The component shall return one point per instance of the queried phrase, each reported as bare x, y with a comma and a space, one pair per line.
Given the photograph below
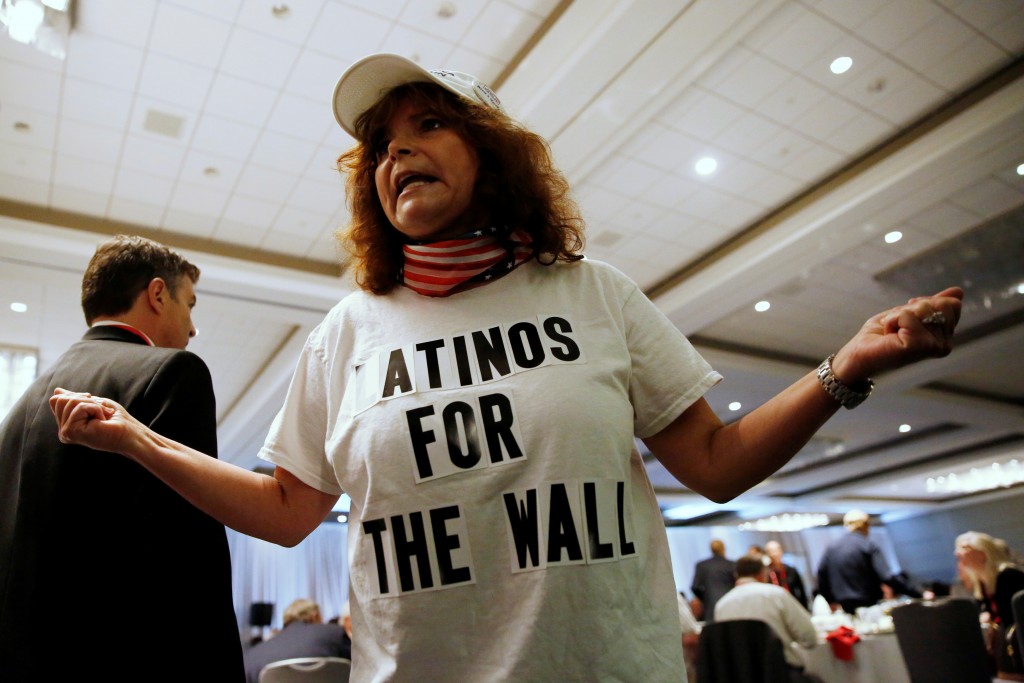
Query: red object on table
842, 640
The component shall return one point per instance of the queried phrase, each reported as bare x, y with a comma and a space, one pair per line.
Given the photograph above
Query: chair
941, 641
740, 651
1017, 606
307, 670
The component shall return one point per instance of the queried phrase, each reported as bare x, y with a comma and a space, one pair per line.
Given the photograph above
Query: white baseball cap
370, 78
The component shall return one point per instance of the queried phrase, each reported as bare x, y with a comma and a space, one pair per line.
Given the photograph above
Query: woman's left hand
921, 328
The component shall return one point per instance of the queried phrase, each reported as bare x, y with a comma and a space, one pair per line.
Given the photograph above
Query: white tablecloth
876, 659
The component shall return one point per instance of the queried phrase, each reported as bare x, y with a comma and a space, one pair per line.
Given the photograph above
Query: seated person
304, 635
754, 598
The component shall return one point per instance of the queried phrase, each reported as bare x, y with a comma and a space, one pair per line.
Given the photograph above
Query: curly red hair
517, 182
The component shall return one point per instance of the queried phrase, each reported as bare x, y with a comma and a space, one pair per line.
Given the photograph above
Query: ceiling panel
208, 126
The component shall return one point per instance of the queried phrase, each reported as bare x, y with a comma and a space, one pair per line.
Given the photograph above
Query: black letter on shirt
406, 548
519, 334
561, 527
553, 326
429, 349
444, 543
376, 527
497, 418
625, 546
491, 354
420, 439
451, 414
398, 375
597, 550
522, 518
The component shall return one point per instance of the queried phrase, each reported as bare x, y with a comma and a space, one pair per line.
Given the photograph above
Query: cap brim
369, 79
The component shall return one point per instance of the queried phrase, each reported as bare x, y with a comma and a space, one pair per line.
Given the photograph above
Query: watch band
847, 397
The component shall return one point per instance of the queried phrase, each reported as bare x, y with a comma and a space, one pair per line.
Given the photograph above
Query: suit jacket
101, 564
790, 579
712, 578
852, 571
297, 639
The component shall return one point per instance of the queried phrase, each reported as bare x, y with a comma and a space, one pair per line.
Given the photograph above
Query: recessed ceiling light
19, 307
893, 237
1020, 288
211, 172
705, 166
1020, 170
841, 65
904, 428
735, 405
342, 518
762, 306
280, 11
446, 10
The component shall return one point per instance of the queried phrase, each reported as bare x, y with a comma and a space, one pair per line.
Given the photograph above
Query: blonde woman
996, 575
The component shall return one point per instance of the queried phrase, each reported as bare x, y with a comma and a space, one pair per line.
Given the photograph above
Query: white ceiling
208, 126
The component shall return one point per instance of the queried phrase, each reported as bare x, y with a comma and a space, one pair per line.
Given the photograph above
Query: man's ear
156, 294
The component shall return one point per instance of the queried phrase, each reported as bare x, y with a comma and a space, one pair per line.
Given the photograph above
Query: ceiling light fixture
893, 237
997, 475
762, 306
904, 428
786, 522
841, 65
705, 166
44, 24
1020, 170
19, 307
735, 405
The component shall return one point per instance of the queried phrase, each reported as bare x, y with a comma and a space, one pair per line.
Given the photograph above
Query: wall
925, 542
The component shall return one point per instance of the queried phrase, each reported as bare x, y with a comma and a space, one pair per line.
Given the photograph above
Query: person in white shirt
479, 398
754, 598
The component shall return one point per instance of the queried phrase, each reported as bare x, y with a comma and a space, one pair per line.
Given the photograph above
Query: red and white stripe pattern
450, 266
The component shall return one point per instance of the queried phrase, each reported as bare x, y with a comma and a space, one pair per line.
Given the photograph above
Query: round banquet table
876, 659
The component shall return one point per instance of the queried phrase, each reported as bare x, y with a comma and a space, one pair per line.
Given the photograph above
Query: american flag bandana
450, 266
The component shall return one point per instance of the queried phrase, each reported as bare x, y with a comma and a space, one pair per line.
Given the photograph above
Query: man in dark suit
853, 568
144, 576
304, 635
712, 578
785, 575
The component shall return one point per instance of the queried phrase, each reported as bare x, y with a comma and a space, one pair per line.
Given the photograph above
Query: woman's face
969, 557
425, 175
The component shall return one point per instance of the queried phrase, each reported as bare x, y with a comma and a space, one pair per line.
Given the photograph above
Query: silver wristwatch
847, 397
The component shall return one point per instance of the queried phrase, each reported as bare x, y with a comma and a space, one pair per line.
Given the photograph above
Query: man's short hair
749, 566
122, 268
854, 519
302, 610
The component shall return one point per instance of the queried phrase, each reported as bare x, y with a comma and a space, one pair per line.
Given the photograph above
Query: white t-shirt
502, 527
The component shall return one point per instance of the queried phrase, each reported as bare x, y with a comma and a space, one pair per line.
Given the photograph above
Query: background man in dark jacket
304, 635
853, 568
712, 578
785, 575
146, 574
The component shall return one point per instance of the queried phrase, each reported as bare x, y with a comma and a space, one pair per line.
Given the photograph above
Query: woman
478, 399
996, 575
